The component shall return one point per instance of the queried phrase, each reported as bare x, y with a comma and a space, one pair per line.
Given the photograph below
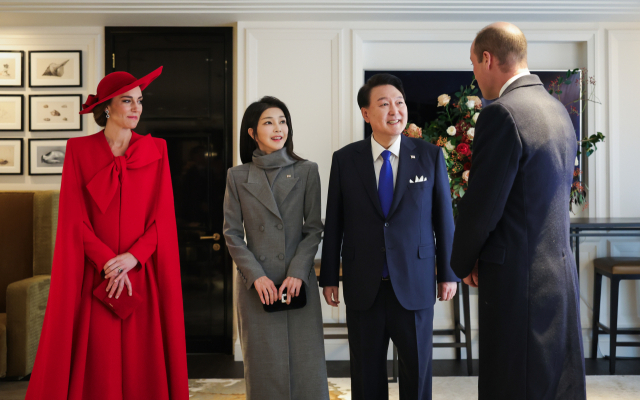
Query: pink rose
414, 131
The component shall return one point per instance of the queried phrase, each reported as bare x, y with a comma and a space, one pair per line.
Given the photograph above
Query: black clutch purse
281, 304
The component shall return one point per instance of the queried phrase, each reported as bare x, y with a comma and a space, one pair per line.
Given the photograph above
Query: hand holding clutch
122, 306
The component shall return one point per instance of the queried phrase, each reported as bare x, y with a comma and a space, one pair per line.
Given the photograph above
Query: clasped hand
268, 292
472, 278
116, 271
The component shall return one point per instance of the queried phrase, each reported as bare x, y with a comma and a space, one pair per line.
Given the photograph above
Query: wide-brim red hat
117, 83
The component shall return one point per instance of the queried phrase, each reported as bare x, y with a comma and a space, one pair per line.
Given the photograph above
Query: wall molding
598, 8
339, 129
615, 38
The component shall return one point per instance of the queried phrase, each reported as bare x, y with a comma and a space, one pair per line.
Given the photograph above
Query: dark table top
609, 223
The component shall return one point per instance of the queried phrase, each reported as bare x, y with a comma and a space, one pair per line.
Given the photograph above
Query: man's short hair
510, 48
364, 94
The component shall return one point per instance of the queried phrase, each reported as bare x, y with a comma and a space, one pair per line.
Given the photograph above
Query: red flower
465, 139
467, 166
462, 127
463, 149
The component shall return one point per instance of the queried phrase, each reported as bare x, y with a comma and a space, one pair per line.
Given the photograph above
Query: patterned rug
234, 389
447, 388
450, 388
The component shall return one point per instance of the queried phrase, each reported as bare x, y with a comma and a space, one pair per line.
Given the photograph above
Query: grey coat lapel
284, 183
258, 185
405, 172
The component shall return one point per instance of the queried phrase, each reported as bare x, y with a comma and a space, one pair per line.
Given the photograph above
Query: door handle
215, 236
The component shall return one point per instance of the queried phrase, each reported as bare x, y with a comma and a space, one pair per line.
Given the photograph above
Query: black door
189, 105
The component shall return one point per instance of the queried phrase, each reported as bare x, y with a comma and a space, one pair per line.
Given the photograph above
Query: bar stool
458, 328
616, 269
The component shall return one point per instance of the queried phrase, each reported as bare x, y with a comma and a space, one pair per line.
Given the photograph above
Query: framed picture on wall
46, 156
11, 68
11, 151
11, 112
55, 112
55, 68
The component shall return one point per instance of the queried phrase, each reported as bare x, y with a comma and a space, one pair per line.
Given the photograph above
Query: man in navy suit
389, 215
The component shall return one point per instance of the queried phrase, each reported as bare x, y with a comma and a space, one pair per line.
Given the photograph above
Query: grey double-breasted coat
283, 351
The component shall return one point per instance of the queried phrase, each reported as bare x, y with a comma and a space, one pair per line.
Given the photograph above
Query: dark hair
251, 118
509, 46
99, 114
364, 94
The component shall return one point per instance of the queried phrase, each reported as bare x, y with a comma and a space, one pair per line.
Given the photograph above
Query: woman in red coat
116, 223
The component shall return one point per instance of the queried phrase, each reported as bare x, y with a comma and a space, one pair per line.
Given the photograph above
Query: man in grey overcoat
512, 232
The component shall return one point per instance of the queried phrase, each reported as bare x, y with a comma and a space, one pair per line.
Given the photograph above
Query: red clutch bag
123, 306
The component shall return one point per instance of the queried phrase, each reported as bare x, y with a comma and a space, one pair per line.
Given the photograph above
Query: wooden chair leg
456, 321
613, 328
597, 292
467, 327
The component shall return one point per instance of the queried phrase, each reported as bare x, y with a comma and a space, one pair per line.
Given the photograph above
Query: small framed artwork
46, 156
55, 112
11, 68
11, 151
11, 108
55, 68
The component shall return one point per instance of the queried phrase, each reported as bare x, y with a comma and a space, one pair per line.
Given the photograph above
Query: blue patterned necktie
385, 193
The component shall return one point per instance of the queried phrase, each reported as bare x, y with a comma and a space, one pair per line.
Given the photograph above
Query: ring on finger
119, 270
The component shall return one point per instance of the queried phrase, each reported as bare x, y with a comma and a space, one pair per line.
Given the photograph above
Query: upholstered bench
27, 239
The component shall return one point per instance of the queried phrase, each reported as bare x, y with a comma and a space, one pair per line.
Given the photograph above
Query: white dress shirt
377, 149
513, 79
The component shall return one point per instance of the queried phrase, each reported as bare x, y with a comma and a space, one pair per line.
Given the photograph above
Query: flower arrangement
586, 86
453, 130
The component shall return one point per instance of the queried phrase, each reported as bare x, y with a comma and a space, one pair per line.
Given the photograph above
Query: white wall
91, 42
309, 64
317, 67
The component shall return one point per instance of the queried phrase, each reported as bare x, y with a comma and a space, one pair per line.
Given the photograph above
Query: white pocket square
420, 179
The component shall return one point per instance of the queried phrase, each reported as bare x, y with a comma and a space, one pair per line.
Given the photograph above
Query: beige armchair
28, 222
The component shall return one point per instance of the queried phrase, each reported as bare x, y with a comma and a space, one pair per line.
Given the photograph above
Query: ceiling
206, 12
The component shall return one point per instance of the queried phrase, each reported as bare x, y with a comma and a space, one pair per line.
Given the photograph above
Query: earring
106, 112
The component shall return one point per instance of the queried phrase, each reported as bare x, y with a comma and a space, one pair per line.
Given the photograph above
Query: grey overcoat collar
527, 80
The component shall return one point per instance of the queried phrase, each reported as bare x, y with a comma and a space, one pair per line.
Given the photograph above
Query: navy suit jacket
356, 226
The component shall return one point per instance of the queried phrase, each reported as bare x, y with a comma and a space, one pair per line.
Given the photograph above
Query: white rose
475, 117
451, 131
446, 155
449, 146
443, 100
471, 104
471, 132
465, 176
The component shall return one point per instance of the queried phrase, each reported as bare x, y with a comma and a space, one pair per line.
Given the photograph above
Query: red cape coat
108, 206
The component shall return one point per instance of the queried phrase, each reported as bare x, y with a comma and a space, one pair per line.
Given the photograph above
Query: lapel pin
412, 156
288, 176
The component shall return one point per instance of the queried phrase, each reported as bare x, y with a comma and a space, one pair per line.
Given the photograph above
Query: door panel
189, 106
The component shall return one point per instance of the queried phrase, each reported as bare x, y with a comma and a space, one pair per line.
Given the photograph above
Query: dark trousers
369, 334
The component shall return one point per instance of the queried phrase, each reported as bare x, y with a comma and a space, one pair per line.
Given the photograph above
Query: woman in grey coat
274, 197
